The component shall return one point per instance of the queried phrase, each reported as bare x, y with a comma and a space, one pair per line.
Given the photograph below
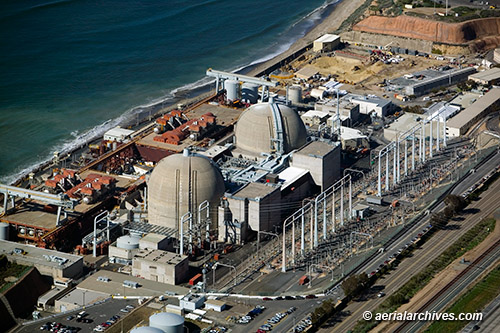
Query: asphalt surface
426, 253
99, 313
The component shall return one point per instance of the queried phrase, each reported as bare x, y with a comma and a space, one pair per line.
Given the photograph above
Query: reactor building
259, 175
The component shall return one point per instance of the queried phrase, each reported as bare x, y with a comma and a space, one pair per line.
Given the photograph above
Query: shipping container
195, 279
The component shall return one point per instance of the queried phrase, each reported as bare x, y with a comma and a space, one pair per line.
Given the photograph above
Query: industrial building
313, 118
487, 77
326, 43
352, 139
48, 262
78, 298
423, 82
462, 122
368, 104
320, 159
160, 266
123, 249
349, 112
192, 302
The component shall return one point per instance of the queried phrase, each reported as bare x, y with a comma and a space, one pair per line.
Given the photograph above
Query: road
441, 303
428, 251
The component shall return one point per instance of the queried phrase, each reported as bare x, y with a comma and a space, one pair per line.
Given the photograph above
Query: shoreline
339, 11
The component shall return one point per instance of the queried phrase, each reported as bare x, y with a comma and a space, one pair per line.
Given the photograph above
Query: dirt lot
363, 72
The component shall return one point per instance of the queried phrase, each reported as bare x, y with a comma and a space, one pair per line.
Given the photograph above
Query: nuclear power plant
268, 164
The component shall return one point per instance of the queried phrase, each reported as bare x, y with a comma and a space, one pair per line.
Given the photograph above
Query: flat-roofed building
326, 43
249, 206
48, 262
192, 302
314, 118
368, 104
321, 159
487, 77
154, 241
463, 121
160, 266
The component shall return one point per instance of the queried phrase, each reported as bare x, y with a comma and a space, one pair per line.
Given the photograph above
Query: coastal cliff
479, 34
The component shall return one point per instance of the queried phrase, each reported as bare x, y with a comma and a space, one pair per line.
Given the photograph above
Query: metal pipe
387, 171
342, 203
430, 139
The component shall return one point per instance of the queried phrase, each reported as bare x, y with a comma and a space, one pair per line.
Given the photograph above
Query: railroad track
450, 284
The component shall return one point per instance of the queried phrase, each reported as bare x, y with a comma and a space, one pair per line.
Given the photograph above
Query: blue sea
71, 69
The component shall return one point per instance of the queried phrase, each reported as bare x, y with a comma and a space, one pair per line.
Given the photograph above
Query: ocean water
71, 69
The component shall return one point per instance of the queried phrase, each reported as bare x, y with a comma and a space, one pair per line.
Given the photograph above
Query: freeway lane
440, 304
422, 256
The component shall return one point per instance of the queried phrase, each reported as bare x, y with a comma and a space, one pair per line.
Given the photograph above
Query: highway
428, 251
454, 289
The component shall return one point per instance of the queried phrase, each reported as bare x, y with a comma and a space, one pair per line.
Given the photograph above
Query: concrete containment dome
258, 126
180, 183
167, 322
146, 329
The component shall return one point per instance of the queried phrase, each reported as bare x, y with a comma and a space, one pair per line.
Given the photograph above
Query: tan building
321, 159
463, 121
160, 266
326, 43
249, 205
487, 77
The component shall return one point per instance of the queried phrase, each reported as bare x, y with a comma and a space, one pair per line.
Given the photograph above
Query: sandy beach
330, 24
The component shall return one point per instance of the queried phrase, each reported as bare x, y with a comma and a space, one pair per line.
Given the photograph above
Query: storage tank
232, 90
179, 184
250, 92
4, 231
146, 329
295, 94
167, 322
127, 242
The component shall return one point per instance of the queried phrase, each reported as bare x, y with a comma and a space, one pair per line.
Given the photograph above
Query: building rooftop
254, 191
475, 109
77, 297
316, 149
445, 111
160, 257
315, 113
153, 238
487, 75
290, 175
466, 99
306, 72
327, 38
115, 285
347, 133
38, 256
381, 102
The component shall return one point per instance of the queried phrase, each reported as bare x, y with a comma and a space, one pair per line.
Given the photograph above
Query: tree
355, 284
456, 202
439, 220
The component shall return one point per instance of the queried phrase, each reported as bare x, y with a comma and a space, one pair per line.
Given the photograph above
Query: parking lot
96, 315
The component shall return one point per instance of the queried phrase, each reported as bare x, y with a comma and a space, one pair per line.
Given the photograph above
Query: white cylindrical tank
295, 94
146, 329
232, 90
167, 322
4, 231
250, 92
318, 93
127, 242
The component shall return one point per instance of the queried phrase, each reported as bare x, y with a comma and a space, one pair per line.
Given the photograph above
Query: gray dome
146, 329
128, 242
180, 183
167, 322
256, 128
